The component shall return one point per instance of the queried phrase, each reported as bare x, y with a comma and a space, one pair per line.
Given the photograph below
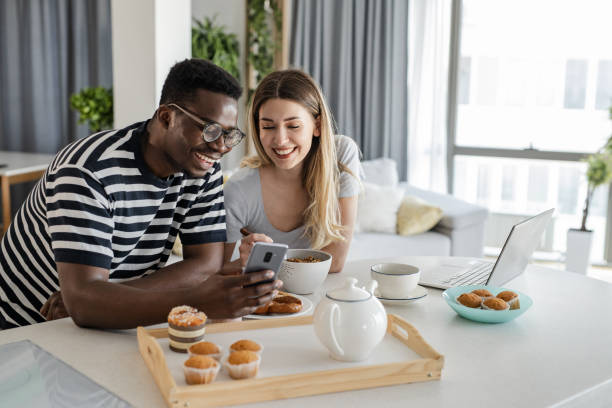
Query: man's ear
317, 129
164, 116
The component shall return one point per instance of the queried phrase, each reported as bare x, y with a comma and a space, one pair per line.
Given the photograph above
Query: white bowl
304, 278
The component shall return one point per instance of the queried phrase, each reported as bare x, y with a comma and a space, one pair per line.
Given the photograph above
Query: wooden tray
218, 393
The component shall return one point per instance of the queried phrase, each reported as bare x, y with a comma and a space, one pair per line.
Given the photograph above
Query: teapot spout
370, 287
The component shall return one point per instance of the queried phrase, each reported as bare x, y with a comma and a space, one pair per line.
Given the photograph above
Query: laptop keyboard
476, 275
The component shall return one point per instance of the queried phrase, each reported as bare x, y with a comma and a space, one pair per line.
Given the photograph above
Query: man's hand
231, 296
54, 307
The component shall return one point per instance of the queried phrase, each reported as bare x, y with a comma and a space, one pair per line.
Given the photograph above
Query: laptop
523, 239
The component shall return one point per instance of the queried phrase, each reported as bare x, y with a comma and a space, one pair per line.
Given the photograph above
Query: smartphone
266, 256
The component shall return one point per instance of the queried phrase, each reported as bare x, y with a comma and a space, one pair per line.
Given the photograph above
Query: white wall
231, 14
149, 36
172, 37
133, 58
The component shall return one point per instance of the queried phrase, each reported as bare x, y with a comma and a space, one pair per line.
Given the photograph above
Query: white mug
395, 281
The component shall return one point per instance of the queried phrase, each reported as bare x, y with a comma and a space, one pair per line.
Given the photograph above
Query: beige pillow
416, 216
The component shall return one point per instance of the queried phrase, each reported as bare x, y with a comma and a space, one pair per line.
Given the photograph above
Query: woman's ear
317, 129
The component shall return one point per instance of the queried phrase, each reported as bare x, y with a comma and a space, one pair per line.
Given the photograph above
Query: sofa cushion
382, 171
367, 245
377, 208
415, 216
457, 213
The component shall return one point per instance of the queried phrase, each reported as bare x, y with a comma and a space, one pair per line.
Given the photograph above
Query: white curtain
429, 37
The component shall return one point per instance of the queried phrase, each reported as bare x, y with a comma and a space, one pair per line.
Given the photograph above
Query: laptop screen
31, 377
520, 244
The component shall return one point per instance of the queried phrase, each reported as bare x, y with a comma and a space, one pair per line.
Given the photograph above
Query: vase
578, 252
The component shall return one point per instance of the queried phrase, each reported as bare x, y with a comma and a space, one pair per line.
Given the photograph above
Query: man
101, 223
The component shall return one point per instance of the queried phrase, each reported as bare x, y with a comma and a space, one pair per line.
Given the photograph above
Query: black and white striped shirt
99, 204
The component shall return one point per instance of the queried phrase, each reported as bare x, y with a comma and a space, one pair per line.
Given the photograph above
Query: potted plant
599, 172
209, 41
95, 106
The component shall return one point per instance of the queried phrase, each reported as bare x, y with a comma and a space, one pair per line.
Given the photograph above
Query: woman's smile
285, 152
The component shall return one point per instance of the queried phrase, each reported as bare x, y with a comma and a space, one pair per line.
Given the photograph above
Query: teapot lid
349, 292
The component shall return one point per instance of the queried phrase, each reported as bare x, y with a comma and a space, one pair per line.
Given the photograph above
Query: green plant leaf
95, 107
211, 42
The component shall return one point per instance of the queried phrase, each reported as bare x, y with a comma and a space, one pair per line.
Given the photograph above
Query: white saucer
417, 293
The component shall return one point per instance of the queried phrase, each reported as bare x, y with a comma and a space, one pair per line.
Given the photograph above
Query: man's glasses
211, 131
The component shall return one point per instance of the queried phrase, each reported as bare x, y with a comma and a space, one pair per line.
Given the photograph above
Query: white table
557, 353
18, 168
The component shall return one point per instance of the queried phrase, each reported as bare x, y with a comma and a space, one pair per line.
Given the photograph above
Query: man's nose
219, 145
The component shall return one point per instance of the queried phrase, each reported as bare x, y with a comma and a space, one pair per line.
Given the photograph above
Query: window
533, 84
547, 85
528, 187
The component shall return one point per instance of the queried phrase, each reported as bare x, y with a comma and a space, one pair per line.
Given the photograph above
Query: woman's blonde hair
321, 168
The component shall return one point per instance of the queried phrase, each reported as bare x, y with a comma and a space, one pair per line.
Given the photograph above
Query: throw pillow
377, 208
416, 216
382, 171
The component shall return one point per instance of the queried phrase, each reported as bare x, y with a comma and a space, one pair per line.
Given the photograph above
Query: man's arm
339, 250
92, 301
199, 262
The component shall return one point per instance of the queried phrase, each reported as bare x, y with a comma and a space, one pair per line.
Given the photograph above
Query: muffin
200, 370
242, 364
483, 293
185, 327
494, 303
470, 300
205, 348
510, 298
247, 345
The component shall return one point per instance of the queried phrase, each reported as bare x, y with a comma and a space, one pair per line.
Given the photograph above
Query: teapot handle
334, 314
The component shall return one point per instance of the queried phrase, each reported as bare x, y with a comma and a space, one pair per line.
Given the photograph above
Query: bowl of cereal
304, 270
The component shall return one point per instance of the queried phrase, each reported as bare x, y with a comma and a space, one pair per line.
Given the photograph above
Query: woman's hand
54, 307
247, 242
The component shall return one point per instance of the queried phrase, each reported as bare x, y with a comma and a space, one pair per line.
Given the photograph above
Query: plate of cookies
283, 305
487, 304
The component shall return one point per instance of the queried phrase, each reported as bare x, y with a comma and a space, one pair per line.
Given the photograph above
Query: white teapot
350, 321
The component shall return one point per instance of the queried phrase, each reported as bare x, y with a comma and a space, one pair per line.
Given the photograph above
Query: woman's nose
280, 136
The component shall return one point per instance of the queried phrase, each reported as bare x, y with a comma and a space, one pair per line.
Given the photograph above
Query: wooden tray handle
154, 359
408, 335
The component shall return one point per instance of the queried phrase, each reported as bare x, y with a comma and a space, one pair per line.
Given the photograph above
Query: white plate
417, 293
306, 308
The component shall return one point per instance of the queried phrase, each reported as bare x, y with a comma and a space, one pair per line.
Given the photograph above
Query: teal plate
481, 315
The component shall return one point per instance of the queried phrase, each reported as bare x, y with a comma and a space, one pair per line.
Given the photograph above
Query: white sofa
460, 232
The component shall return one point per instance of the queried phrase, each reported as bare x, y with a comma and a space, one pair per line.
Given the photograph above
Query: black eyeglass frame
211, 131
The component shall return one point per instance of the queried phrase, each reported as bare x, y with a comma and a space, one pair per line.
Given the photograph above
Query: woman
301, 188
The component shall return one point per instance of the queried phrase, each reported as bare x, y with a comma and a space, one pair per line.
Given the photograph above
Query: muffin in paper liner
193, 351
495, 304
195, 375
483, 293
243, 370
249, 345
471, 300
511, 298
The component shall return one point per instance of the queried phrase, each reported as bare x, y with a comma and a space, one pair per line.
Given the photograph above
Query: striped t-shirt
99, 204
